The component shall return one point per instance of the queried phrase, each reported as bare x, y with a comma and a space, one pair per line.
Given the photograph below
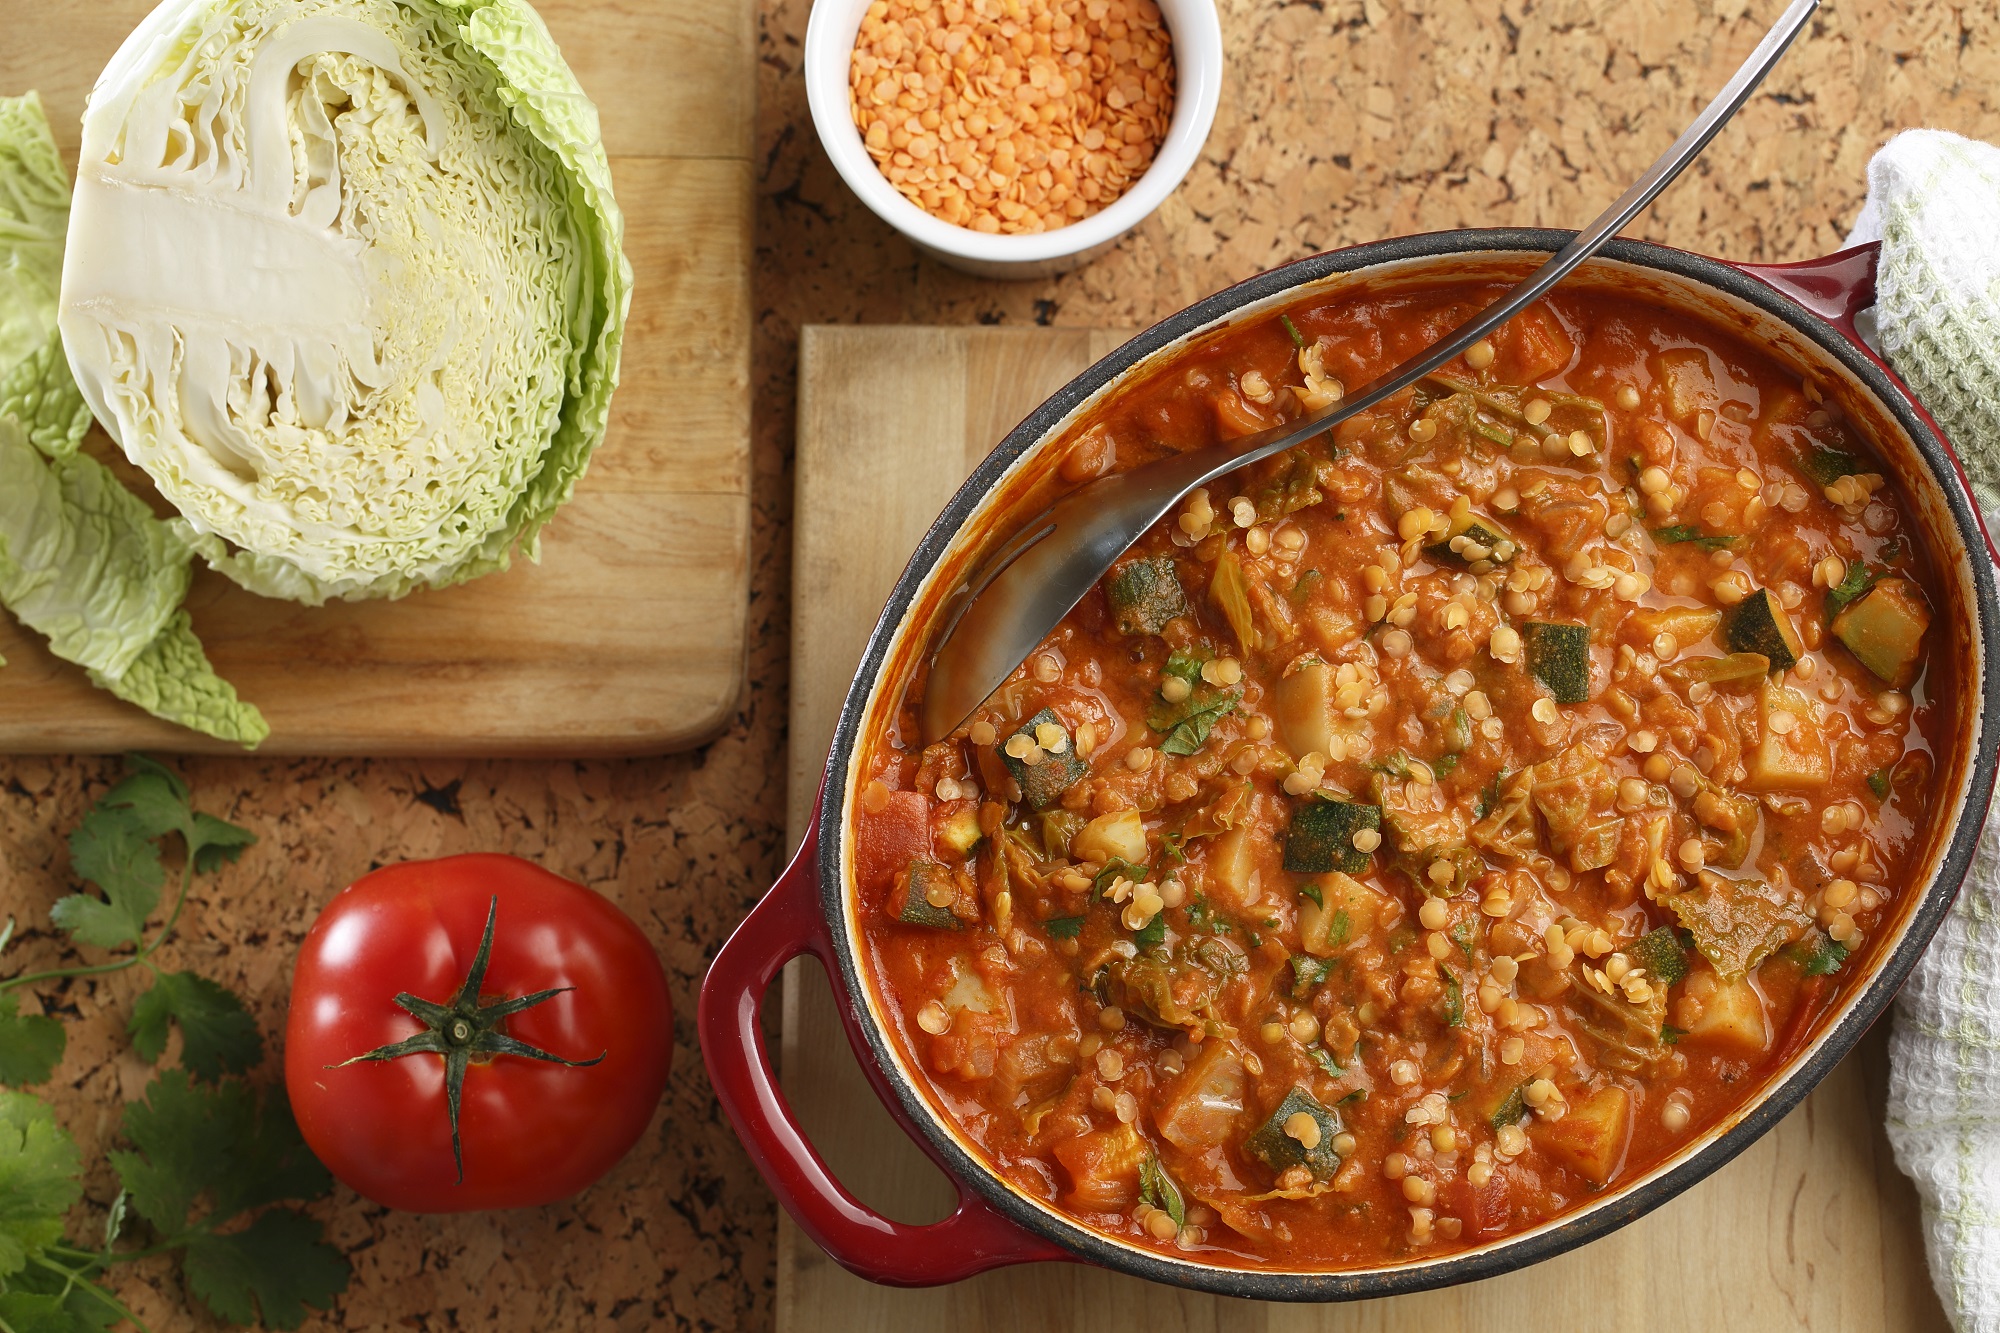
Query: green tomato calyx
465, 1031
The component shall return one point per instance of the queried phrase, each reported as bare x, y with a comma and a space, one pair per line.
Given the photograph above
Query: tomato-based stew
1426, 829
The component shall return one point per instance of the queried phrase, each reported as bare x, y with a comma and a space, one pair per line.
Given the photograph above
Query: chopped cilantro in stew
1426, 829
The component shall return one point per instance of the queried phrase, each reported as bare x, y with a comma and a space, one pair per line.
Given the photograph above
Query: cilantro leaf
1454, 997
30, 1044
244, 1152
114, 849
1063, 927
36, 1302
1826, 466
1669, 1034
1324, 1059
1158, 1189
40, 1178
216, 842
1184, 664
1186, 725
1689, 534
1858, 581
1878, 782
1153, 932
216, 1033
1308, 972
1444, 764
279, 1261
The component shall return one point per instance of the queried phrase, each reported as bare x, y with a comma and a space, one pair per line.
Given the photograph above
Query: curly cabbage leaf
344, 279
34, 210
84, 562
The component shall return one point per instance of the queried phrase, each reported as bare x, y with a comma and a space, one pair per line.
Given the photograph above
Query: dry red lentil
1012, 115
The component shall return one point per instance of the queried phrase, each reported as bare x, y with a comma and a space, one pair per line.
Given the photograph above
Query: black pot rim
1508, 1253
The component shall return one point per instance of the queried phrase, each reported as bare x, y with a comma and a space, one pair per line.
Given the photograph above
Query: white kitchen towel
1934, 203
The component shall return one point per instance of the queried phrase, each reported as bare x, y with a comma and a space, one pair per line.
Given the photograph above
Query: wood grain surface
1812, 1226
628, 637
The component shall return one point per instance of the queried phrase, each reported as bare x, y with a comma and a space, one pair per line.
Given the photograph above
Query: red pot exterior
993, 1225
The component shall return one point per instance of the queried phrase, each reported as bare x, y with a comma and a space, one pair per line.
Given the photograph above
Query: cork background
1341, 121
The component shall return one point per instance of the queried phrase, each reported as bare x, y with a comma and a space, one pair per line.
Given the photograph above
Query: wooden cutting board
629, 636
1811, 1228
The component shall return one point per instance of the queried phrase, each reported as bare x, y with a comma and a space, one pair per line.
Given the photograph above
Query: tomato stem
465, 1030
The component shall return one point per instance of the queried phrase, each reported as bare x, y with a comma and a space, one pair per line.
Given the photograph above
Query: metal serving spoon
1023, 591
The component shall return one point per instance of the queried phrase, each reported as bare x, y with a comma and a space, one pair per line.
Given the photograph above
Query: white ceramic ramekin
1197, 38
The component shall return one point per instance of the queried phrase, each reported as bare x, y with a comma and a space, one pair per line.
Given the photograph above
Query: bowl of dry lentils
1013, 138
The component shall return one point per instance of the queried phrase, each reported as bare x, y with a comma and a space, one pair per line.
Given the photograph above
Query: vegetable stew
1426, 829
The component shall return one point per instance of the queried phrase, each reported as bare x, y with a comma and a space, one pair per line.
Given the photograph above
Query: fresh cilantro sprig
117, 848
210, 1159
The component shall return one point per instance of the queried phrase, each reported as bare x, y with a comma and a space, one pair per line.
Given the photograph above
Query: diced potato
1114, 837
1591, 1139
1103, 1169
1233, 877
1351, 910
1793, 754
1885, 630
1200, 1109
1716, 1012
969, 992
1689, 381
1302, 709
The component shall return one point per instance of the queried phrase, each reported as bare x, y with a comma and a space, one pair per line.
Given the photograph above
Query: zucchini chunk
1280, 1151
1042, 782
1737, 923
1591, 1139
1145, 595
1758, 624
1885, 631
1661, 953
1558, 655
910, 899
1321, 838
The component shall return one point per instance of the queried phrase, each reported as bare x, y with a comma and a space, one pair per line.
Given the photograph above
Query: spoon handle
1025, 588
1609, 223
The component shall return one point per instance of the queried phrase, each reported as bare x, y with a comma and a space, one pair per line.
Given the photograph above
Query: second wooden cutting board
1811, 1228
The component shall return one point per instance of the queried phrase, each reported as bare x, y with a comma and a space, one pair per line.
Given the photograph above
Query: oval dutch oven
1802, 313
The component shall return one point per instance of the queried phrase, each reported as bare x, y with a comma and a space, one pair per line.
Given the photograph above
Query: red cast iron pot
1802, 313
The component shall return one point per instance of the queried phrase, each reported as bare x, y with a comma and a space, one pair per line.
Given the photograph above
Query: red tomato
575, 1077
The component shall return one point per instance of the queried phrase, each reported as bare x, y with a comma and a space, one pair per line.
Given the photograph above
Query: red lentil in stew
1428, 828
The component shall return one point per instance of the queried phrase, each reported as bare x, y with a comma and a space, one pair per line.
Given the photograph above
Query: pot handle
1837, 288
785, 924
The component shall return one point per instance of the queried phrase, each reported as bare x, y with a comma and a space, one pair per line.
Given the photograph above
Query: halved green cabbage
344, 279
